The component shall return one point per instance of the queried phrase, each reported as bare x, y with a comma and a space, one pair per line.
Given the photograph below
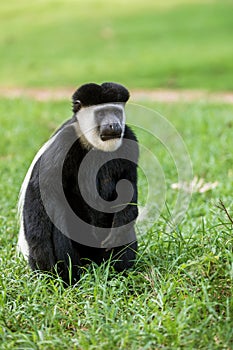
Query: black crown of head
94, 94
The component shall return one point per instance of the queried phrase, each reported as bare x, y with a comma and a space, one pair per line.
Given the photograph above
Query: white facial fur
88, 128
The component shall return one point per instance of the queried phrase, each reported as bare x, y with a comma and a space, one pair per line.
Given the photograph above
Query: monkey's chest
106, 185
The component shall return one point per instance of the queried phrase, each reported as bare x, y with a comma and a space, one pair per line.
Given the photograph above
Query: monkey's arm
122, 231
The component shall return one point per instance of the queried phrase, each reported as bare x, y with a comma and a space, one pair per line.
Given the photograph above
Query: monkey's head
99, 110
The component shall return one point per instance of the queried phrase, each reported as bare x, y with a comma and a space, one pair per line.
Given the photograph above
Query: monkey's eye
118, 113
107, 112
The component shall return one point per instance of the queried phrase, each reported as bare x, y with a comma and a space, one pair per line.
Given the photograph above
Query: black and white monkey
72, 208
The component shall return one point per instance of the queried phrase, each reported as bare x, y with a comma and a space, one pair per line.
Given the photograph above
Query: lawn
143, 44
178, 296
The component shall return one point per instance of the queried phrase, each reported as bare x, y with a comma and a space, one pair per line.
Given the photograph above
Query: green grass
178, 296
170, 44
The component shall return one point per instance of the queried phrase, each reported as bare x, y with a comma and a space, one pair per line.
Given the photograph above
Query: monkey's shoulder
129, 134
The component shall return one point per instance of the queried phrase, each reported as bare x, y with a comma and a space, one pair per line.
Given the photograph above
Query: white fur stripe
22, 245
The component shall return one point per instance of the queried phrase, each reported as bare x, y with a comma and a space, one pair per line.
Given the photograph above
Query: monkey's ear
76, 105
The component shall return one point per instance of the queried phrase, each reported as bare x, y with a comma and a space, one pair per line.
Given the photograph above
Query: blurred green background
153, 44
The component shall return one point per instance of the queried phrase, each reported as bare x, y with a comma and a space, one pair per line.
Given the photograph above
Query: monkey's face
102, 126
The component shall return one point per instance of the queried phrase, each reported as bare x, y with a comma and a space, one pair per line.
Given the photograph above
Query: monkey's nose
110, 131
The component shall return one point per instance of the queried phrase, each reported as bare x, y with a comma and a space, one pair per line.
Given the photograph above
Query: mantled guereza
78, 201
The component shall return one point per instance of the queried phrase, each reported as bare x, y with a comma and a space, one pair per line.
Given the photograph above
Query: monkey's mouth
110, 137
110, 131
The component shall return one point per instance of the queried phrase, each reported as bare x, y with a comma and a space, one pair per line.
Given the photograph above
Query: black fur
94, 94
47, 245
